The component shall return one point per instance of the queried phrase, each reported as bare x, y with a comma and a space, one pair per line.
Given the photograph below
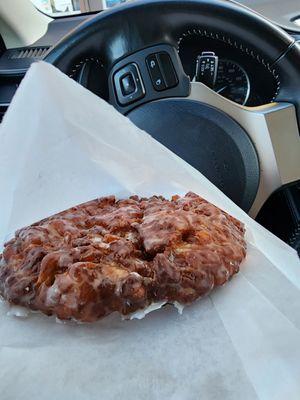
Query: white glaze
179, 307
18, 311
140, 314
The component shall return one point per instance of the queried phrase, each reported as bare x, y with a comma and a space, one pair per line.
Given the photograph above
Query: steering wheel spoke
274, 132
147, 75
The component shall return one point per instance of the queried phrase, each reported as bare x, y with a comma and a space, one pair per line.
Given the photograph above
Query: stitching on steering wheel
235, 44
77, 66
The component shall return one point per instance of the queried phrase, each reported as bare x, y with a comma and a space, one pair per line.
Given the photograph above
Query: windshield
60, 8
284, 13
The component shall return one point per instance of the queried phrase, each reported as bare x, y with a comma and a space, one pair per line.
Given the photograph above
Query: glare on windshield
59, 8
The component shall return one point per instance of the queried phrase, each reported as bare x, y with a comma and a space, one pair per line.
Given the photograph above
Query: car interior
215, 81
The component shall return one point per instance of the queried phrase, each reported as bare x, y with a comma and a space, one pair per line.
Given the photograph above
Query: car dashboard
242, 75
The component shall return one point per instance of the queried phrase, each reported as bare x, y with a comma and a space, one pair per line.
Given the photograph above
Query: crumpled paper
60, 145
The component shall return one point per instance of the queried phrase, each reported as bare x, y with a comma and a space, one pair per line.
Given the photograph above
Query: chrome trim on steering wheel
274, 132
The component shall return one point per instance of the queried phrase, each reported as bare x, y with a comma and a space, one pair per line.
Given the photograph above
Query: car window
59, 8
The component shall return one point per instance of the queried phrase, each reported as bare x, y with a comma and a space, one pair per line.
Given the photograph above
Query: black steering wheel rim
127, 28
124, 30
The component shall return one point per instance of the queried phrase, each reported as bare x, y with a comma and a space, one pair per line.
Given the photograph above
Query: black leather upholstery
289, 71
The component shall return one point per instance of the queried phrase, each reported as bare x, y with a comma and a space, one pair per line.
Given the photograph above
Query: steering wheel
247, 152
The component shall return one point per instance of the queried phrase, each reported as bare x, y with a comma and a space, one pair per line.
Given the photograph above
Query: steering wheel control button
128, 84
161, 70
167, 69
156, 76
206, 68
156, 72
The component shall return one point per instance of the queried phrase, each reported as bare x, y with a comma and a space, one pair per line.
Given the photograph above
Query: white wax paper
59, 146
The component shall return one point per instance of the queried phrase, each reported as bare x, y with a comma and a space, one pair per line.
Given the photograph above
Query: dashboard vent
17, 61
29, 52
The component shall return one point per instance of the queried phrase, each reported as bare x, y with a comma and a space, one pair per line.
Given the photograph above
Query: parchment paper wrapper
59, 146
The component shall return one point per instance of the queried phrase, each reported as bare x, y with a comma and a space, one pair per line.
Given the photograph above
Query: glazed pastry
111, 255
